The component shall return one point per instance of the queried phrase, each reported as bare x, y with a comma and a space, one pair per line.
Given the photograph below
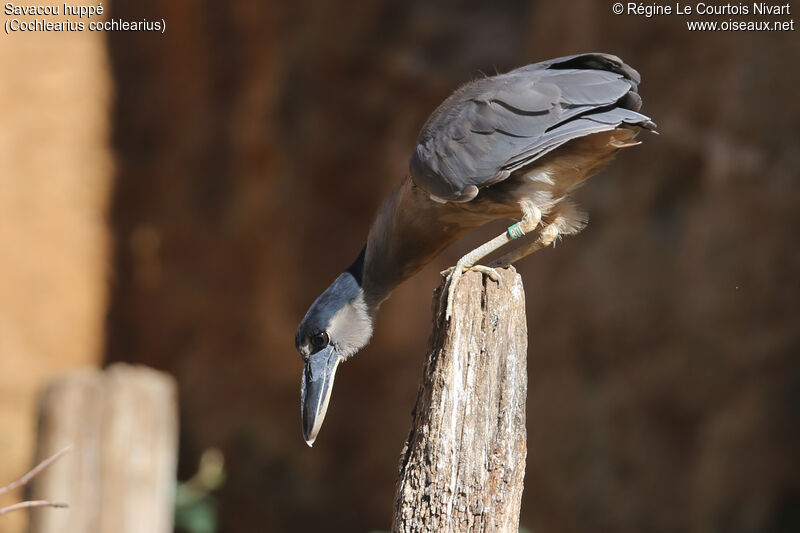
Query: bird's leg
546, 237
564, 219
530, 220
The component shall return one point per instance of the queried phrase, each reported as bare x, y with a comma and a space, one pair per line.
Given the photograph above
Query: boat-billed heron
511, 146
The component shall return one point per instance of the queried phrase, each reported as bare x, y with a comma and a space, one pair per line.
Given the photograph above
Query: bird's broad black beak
315, 390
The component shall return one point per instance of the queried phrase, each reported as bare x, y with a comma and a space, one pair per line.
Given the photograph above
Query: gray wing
493, 126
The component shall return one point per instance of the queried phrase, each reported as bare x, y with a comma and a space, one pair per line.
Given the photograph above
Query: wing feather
493, 126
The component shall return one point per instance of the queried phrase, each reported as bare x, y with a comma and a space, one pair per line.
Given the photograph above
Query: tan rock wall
55, 177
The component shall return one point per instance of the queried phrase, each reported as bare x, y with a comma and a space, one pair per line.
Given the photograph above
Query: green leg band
515, 231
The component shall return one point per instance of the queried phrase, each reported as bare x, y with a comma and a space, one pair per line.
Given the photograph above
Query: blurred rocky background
56, 173
179, 200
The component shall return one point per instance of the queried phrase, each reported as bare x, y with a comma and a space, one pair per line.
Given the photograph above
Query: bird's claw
453, 274
489, 271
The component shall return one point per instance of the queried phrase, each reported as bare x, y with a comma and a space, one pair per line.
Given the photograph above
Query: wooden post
120, 475
463, 464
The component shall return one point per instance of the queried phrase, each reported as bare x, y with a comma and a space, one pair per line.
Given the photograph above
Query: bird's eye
320, 340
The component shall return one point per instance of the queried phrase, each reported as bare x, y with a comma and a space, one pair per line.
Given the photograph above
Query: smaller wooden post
120, 476
463, 464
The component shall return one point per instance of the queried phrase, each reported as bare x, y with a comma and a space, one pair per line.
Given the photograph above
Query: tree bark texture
120, 475
463, 464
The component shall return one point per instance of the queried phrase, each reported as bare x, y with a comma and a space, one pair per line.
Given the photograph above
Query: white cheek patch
351, 327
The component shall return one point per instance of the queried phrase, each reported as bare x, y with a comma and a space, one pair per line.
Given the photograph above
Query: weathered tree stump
463, 464
120, 475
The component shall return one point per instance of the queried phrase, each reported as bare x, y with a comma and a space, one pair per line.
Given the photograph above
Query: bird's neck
409, 231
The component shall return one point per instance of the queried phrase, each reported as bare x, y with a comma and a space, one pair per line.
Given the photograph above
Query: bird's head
337, 325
